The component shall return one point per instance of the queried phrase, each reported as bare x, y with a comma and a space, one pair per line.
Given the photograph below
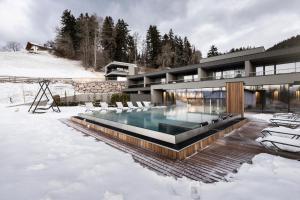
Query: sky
224, 23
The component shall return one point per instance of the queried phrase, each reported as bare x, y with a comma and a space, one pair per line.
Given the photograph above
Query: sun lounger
147, 104
105, 106
90, 107
285, 115
120, 106
280, 143
130, 105
139, 104
281, 131
291, 123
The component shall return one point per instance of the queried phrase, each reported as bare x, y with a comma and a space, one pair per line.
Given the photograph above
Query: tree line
97, 41
213, 51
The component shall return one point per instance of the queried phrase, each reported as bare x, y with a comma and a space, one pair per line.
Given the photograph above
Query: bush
122, 97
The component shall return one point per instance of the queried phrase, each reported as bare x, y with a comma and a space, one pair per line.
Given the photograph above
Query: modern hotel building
251, 80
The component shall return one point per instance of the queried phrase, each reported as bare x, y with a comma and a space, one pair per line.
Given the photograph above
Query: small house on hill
34, 48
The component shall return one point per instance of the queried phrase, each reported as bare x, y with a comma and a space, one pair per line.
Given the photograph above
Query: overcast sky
225, 23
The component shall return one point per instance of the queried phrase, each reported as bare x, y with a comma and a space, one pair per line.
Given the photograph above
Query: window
285, 68
269, 69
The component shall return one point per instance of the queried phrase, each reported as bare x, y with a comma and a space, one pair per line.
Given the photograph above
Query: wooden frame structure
44, 87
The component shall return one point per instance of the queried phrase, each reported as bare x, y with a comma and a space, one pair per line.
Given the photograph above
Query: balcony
138, 85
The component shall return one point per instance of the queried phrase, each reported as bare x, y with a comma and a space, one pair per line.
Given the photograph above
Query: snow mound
42, 65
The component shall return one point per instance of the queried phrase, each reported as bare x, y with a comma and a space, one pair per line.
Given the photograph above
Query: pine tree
153, 46
131, 49
178, 52
213, 51
187, 51
121, 38
108, 39
66, 40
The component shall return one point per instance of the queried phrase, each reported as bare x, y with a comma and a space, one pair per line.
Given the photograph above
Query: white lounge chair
147, 104
90, 107
120, 106
291, 123
139, 104
280, 143
284, 115
105, 106
282, 131
130, 105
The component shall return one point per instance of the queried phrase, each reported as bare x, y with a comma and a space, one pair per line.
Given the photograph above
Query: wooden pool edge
157, 148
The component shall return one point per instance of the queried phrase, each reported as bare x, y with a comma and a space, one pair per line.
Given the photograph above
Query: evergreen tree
132, 51
66, 40
108, 39
187, 51
153, 46
213, 51
178, 52
122, 39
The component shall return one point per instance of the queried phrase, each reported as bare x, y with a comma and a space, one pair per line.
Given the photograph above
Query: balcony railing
225, 76
277, 71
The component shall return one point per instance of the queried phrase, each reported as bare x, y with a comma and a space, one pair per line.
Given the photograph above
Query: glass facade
272, 98
206, 100
232, 73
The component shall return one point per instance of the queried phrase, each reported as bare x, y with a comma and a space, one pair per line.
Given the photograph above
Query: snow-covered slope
42, 65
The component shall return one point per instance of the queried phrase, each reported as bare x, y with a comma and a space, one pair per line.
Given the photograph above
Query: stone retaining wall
99, 87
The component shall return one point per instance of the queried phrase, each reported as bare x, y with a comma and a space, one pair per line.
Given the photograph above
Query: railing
275, 72
183, 80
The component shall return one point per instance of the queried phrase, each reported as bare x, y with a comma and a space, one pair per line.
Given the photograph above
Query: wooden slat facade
235, 97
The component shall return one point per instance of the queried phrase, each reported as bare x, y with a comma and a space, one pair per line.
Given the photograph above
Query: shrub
122, 97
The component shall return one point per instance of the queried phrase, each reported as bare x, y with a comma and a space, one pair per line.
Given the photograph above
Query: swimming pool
168, 124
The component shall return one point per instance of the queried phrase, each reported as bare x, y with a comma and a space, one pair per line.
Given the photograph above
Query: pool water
170, 120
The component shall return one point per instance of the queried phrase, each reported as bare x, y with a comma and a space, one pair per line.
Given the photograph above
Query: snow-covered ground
43, 64
19, 93
41, 158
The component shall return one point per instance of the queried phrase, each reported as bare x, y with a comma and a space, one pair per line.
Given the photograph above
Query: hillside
291, 42
42, 65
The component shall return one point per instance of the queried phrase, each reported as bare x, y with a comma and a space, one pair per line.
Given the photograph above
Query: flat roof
256, 56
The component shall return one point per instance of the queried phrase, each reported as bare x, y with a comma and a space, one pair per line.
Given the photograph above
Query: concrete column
201, 73
157, 97
146, 80
249, 68
170, 77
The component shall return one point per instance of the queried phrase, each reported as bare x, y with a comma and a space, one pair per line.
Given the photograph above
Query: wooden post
235, 98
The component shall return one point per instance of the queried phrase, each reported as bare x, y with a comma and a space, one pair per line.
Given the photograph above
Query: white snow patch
42, 65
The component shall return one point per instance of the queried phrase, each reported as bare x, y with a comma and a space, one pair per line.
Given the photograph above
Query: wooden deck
212, 164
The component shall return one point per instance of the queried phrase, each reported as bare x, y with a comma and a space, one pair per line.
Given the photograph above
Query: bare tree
136, 38
13, 46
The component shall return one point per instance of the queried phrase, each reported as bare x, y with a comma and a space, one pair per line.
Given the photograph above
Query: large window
270, 98
207, 100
